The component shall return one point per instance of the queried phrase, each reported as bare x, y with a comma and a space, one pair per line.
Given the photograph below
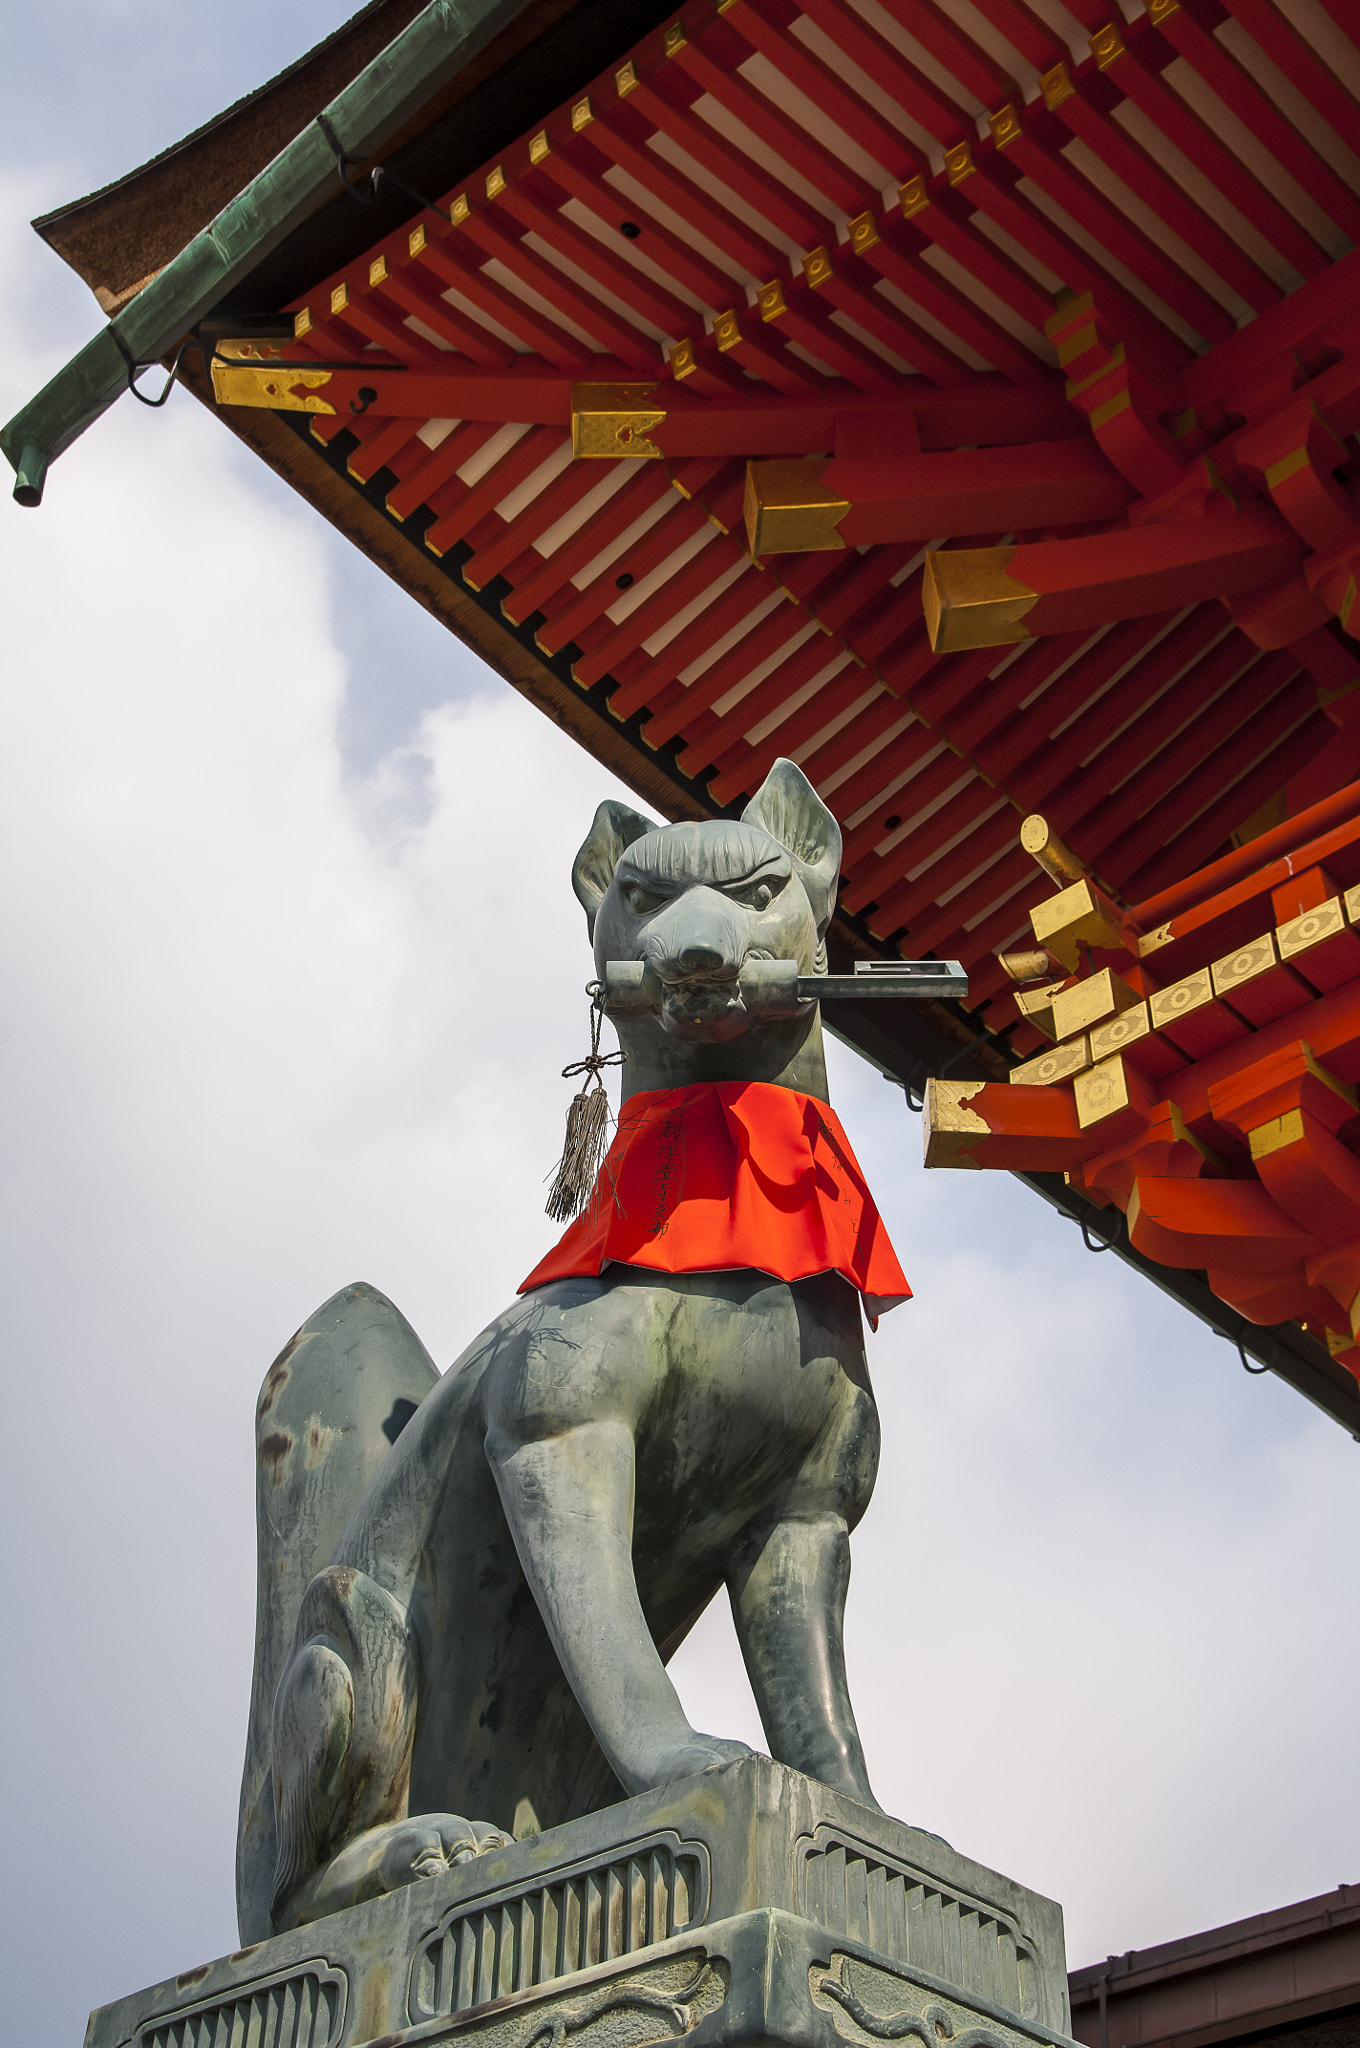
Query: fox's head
695, 902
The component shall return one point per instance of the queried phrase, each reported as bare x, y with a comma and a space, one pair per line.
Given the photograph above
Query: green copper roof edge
427, 53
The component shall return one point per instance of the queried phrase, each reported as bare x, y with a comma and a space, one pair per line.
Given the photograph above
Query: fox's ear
614, 828
790, 810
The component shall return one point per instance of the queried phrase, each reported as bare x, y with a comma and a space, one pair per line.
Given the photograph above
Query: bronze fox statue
470, 1585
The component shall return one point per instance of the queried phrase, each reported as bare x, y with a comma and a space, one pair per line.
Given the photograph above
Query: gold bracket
1077, 916
971, 601
248, 378
612, 420
788, 510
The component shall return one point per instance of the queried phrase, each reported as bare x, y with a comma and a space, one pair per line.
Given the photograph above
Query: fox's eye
639, 900
759, 896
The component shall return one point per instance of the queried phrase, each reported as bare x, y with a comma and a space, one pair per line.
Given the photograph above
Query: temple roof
670, 344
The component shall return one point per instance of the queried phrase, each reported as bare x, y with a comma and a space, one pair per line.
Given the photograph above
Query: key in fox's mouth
705, 1008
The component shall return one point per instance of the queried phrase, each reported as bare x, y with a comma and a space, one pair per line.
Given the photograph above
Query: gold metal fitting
495, 183
863, 235
958, 161
1043, 845
817, 266
1093, 1001
1101, 1091
302, 322
1056, 86
1036, 1007
970, 599
1004, 124
675, 39
726, 330
770, 299
1158, 10
613, 420
949, 1128
460, 209
377, 271
243, 383
913, 196
788, 510
1030, 966
415, 241
625, 78
1077, 916
340, 298
681, 358
581, 116
1046, 1068
1106, 45
539, 147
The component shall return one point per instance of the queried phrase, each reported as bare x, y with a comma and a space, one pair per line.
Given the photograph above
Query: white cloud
269, 1026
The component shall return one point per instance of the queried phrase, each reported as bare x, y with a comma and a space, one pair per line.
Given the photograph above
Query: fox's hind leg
344, 1727
344, 1722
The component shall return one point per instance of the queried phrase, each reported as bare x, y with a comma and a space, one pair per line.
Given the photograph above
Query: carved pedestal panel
744, 1906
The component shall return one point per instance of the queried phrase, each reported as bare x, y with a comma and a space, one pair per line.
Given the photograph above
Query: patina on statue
470, 1585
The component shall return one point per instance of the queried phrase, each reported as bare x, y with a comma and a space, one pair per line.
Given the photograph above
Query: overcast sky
290, 965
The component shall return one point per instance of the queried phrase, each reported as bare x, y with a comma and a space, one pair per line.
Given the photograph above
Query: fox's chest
748, 1381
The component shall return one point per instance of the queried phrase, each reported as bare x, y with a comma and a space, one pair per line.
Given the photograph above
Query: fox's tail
333, 1403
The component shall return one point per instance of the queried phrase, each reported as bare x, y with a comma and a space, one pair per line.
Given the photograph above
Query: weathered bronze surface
488, 1636
748, 1904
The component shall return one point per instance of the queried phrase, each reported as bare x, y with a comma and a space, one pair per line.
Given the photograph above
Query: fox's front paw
700, 1753
383, 1859
429, 1844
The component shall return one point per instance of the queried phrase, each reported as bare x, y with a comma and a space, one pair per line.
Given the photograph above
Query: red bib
730, 1174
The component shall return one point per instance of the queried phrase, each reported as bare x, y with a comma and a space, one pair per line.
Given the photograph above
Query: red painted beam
1062, 586
897, 496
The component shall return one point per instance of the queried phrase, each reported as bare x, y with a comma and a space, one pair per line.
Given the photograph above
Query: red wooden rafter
794, 260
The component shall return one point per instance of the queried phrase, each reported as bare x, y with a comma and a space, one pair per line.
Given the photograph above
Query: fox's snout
697, 938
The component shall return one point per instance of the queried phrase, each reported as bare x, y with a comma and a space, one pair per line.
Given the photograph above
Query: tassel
577, 1175
587, 1142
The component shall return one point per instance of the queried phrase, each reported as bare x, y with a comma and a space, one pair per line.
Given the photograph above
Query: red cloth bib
730, 1174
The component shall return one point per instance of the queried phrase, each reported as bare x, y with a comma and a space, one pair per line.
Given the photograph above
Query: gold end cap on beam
613, 420
1043, 845
1093, 1001
788, 510
1077, 916
949, 1129
1101, 1091
1035, 1006
1029, 966
243, 375
970, 600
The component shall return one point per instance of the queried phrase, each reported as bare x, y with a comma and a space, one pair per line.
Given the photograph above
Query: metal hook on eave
343, 160
1255, 1370
134, 368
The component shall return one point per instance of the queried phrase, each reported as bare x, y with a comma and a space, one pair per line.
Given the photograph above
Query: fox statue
470, 1585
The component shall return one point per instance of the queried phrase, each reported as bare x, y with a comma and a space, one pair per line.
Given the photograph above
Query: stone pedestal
748, 1905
